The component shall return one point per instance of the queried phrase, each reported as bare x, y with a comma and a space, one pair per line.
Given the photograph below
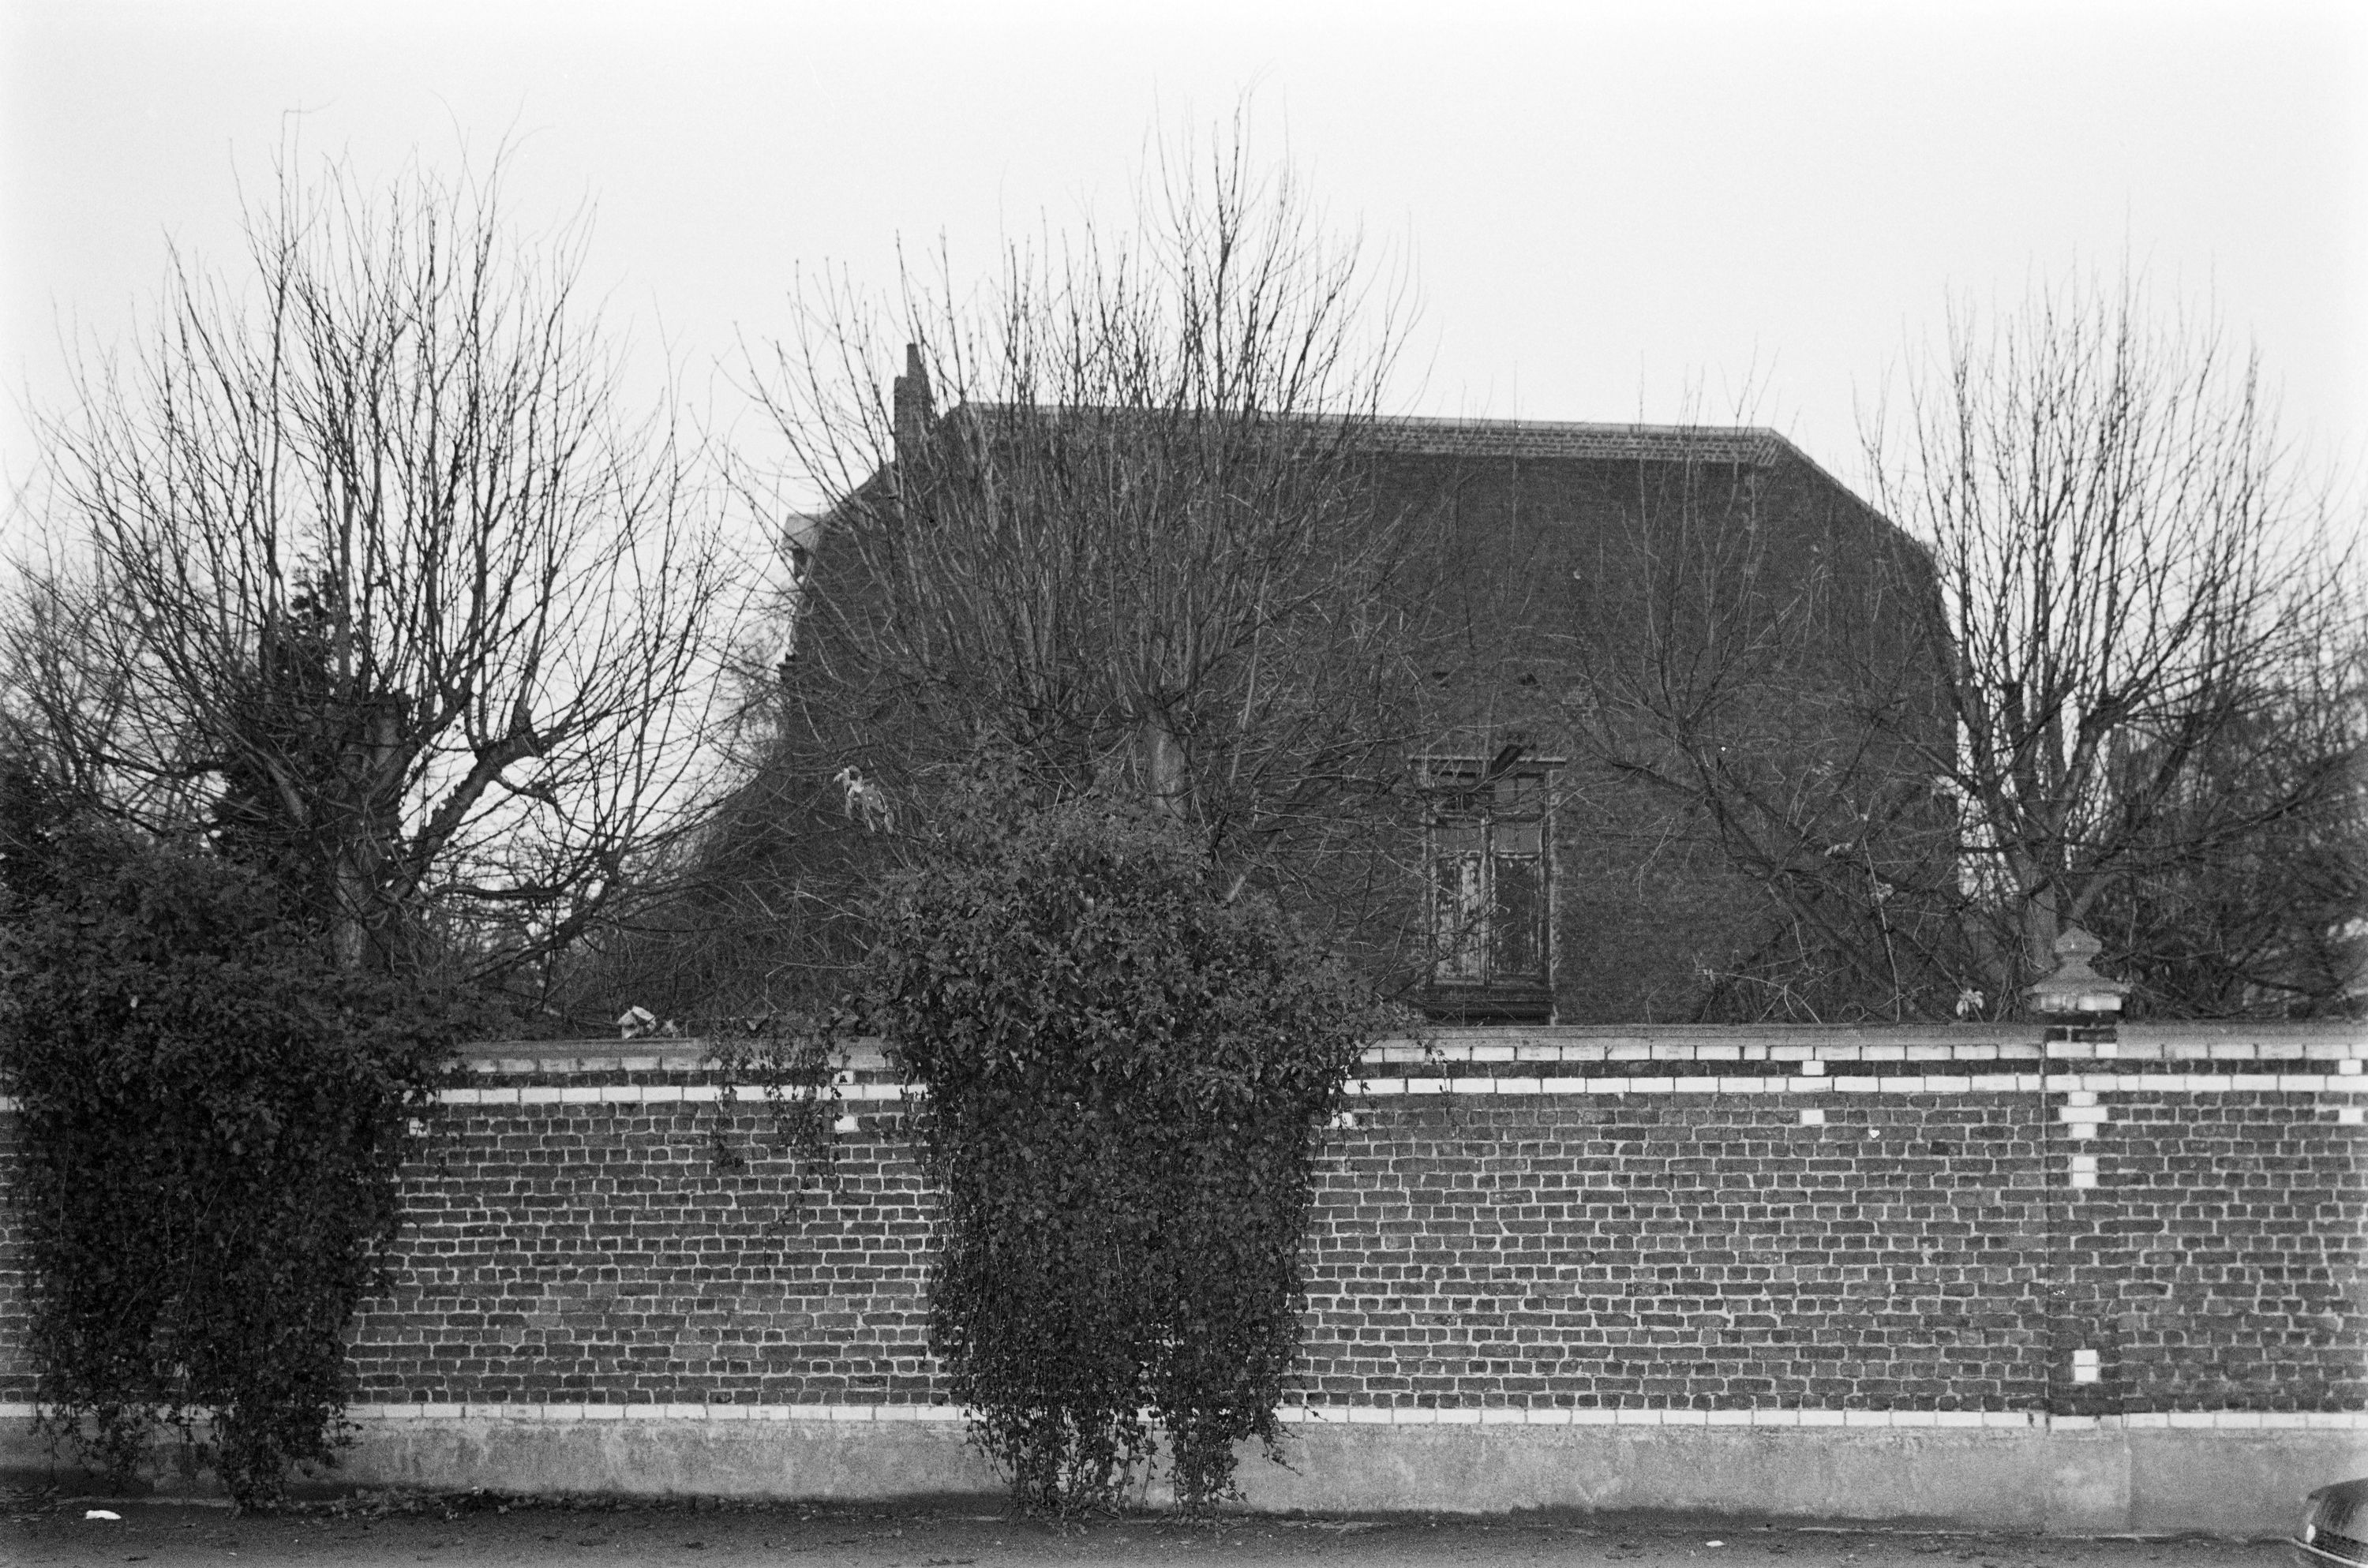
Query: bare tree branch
365, 574
2120, 686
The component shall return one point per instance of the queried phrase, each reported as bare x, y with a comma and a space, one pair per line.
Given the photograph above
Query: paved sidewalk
967, 1533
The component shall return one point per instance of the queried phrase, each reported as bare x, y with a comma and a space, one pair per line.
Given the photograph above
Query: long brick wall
1542, 1226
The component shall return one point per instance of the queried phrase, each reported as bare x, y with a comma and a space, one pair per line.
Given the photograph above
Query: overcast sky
1609, 212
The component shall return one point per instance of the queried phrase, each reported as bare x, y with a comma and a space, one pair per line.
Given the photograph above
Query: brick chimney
915, 409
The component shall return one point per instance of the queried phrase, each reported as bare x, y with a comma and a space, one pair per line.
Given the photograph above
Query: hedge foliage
1127, 1079
212, 1123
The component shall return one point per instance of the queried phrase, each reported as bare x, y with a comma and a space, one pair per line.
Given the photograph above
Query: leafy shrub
1127, 1080
212, 1121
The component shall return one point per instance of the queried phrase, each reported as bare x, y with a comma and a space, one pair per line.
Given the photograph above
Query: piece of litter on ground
101, 1514
1713, 1543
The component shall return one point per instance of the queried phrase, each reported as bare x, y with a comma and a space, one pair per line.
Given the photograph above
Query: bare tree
2273, 918
361, 573
1764, 698
2143, 616
1142, 546
2113, 689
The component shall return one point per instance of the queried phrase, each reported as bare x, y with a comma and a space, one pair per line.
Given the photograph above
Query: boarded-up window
1463, 919
1490, 874
1517, 951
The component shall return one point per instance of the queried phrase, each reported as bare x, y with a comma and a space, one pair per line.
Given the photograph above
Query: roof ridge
1433, 434
1435, 421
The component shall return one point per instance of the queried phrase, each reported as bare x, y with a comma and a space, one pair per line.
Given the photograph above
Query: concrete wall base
2219, 1482
2098, 1483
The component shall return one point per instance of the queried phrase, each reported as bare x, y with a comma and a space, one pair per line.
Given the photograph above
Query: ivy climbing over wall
791, 1057
212, 1122
1125, 1081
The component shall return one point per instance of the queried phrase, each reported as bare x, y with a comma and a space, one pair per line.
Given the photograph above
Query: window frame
1493, 801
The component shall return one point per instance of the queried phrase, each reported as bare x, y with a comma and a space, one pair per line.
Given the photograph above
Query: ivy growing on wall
212, 1121
791, 1057
1125, 1080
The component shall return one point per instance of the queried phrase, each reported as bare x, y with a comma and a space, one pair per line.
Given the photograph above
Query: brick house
1562, 884
1554, 882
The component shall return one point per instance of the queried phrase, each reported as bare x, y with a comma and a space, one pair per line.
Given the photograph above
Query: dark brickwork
1555, 539
594, 1252
2221, 1264
1915, 1252
1690, 1242
1568, 539
1685, 1250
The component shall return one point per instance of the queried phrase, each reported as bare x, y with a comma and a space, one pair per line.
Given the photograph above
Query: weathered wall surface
1827, 1246
1575, 551
1918, 1245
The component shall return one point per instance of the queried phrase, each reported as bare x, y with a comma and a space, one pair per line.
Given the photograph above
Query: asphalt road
382, 1533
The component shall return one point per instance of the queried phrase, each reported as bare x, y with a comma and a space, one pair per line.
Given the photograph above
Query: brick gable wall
1546, 526
1557, 556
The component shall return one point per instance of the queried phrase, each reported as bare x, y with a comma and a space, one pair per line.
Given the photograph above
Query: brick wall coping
1834, 1041
2325, 1048
1785, 1084
2336, 1041
1778, 1059
1877, 1083
1389, 1415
